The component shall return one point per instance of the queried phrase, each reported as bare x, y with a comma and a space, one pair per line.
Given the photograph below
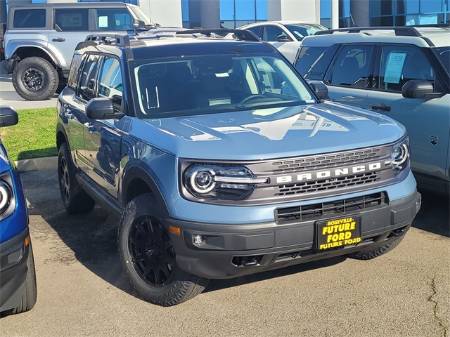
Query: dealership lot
81, 290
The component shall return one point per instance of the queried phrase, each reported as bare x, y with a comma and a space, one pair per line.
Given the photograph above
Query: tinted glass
29, 18
71, 20
88, 77
313, 62
74, 69
110, 84
114, 19
211, 83
258, 31
353, 67
444, 55
400, 64
272, 33
300, 31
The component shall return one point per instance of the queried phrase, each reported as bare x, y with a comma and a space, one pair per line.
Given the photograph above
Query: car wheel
35, 79
75, 199
371, 253
149, 258
29, 295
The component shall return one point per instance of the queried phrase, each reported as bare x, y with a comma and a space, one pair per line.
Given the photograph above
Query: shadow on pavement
434, 215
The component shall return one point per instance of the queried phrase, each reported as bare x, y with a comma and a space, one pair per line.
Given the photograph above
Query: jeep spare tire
35, 79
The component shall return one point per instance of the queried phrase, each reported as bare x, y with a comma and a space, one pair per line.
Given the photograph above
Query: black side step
98, 194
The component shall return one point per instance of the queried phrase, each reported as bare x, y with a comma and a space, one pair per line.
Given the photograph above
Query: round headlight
5, 196
400, 154
202, 180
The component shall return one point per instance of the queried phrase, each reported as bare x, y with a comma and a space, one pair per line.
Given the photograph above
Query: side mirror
8, 116
419, 89
101, 108
320, 89
283, 38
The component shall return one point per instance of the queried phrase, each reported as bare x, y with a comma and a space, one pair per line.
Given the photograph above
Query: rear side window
400, 64
29, 18
274, 33
114, 19
353, 67
313, 62
258, 31
74, 69
72, 20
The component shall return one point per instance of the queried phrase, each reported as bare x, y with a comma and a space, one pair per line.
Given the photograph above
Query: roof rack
241, 35
399, 31
111, 39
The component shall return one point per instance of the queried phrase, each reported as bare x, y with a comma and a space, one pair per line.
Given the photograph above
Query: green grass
33, 137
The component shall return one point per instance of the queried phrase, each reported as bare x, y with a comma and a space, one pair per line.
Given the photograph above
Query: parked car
40, 40
286, 36
400, 72
223, 162
17, 274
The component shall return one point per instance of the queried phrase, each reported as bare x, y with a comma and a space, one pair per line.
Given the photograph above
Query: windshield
217, 83
301, 31
444, 56
139, 15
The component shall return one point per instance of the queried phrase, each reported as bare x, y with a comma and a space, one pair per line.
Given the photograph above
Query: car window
443, 54
110, 83
313, 62
274, 33
258, 31
29, 18
399, 64
88, 77
217, 83
300, 31
352, 67
114, 19
74, 70
72, 20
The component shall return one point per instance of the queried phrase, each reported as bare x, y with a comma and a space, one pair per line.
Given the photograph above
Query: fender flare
12, 47
143, 172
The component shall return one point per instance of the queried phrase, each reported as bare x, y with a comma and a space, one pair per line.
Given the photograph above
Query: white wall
165, 12
296, 10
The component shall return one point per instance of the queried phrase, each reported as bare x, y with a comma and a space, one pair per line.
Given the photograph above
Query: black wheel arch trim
139, 170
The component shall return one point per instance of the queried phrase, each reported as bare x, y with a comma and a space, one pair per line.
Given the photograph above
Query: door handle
381, 107
58, 39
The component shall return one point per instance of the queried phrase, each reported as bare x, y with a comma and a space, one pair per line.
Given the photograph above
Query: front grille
329, 209
326, 160
328, 184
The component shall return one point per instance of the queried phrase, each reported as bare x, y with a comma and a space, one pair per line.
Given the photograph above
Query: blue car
222, 161
17, 273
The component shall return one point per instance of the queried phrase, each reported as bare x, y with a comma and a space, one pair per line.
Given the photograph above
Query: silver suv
401, 72
40, 40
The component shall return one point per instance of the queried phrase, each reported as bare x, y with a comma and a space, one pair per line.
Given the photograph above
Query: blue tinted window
114, 19
227, 9
29, 18
245, 10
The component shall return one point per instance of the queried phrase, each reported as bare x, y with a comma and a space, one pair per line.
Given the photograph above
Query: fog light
198, 240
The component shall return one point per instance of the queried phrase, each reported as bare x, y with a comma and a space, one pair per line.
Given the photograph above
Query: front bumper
236, 250
13, 270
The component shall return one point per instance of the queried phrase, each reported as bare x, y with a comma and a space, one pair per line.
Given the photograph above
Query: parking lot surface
82, 291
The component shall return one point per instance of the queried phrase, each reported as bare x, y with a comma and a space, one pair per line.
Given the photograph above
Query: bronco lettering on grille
332, 173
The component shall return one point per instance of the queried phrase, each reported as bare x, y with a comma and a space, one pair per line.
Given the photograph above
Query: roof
281, 22
425, 36
69, 4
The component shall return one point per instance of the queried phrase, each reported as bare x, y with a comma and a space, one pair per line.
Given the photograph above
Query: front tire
372, 253
149, 259
35, 79
74, 198
29, 295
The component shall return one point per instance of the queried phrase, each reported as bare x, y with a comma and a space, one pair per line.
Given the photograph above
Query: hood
269, 133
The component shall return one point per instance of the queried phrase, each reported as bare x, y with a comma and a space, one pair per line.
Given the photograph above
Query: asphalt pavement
83, 292
9, 97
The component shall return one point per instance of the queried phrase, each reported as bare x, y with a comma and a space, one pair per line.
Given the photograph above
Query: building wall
165, 12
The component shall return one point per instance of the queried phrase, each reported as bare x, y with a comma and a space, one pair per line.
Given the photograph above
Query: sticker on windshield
394, 67
102, 22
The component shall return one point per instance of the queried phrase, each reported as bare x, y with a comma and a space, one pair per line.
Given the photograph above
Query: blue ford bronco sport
223, 162
17, 274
